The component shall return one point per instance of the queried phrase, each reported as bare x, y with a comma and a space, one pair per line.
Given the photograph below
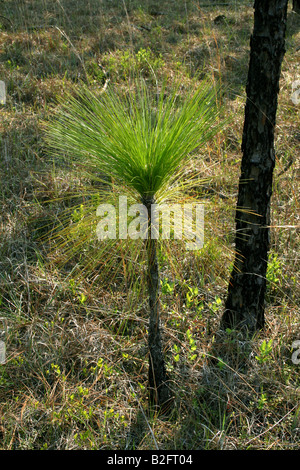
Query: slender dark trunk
296, 6
159, 393
246, 293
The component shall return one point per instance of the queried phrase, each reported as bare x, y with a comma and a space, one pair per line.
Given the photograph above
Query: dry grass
76, 369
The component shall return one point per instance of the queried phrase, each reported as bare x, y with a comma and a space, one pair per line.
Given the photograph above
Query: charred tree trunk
296, 6
159, 393
244, 306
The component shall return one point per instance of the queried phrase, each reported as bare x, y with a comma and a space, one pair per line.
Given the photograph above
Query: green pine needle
136, 144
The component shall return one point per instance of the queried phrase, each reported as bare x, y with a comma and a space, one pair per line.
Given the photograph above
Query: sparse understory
76, 366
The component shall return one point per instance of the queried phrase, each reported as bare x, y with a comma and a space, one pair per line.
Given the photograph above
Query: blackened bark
246, 292
296, 6
159, 393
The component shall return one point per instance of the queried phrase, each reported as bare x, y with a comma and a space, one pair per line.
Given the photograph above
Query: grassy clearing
76, 369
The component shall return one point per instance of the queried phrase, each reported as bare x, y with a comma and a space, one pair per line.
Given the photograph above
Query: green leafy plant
191, 297
215, 305
123, 63
192, 346
166, 286
265, 351
176, 351
138, 144
274, 272
262, 400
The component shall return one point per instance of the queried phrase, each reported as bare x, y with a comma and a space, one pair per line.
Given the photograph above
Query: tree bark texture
296, 6
244, 306
159, 393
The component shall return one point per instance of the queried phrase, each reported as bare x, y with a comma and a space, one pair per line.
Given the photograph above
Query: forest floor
75, 375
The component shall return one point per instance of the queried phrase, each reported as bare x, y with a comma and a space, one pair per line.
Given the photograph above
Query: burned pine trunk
159, 392
244, 306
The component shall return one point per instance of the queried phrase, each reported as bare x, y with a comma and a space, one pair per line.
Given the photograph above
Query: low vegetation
75, 375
